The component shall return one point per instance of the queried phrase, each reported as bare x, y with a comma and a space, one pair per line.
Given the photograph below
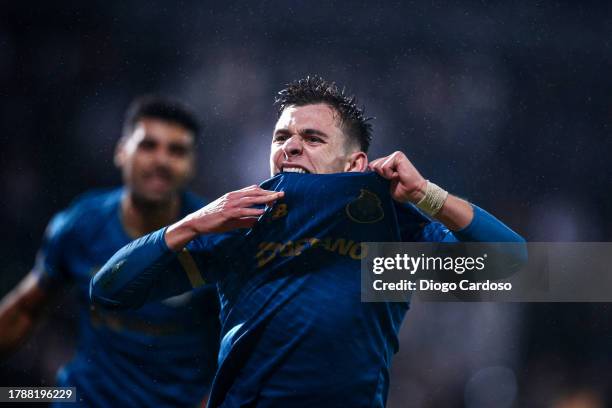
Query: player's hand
407, 184
233, 210
228, 212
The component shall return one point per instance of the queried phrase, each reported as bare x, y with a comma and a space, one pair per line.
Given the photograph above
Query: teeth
294, 170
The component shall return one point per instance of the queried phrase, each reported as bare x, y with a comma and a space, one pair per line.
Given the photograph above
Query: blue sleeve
51, 264
486, 228
144, 270
483, 228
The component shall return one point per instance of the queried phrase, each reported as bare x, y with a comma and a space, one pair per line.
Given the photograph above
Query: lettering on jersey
342, 246
365, 209
279, 211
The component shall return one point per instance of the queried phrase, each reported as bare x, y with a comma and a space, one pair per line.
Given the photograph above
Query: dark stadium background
508, 104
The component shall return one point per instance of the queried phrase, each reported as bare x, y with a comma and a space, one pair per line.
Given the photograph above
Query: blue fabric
486, 228
294, 331
120, 286
161, 355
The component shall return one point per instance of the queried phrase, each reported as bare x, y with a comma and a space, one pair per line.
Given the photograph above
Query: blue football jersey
295, 333
161, 355
294, 330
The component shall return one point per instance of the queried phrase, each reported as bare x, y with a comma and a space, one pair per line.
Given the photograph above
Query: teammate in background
165, 353
295, 333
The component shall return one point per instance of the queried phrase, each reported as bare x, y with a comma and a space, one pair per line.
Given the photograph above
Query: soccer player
165, 353
295, 333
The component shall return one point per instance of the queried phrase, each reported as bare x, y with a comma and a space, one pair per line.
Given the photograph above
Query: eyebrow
302, 132
180, 145
307, 131
312, 132
148, 137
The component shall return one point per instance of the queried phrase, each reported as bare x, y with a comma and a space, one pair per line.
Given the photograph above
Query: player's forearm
231, 211
467, 221
456, 213
19, 311
15, 325
142, 271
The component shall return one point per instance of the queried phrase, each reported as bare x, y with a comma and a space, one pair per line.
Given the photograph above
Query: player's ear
357, 162
119, 157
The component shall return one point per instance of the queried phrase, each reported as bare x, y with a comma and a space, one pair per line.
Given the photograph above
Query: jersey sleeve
484, 227
213, 255
51, 259
414, 226
147, 270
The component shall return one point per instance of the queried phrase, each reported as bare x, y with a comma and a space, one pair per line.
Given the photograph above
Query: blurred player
165, 353
295, 333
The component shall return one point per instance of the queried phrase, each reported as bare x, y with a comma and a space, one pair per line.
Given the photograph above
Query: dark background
505, 104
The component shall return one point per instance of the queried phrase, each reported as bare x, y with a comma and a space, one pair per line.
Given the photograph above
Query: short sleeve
50, 264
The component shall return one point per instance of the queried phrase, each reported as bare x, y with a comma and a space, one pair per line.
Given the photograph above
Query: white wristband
433, 200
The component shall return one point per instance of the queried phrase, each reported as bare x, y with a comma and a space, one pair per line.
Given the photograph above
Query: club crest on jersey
278, 211
365, 209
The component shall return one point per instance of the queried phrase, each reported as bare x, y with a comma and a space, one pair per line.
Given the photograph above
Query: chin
154, 199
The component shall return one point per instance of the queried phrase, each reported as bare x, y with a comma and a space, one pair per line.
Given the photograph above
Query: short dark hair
313, 90
157, 107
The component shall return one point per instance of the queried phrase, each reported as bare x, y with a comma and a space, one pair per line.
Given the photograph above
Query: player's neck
140, 217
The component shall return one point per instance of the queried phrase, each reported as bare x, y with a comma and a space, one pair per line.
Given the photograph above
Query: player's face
309, 139
157, 159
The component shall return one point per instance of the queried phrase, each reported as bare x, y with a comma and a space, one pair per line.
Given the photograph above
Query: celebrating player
165, 353
295, 333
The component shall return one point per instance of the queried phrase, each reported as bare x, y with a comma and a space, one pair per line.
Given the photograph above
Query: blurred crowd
507, 104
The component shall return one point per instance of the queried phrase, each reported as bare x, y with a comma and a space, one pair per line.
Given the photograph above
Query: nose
292, 147
162, 156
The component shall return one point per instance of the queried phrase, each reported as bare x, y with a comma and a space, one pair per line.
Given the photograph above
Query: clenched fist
407, 184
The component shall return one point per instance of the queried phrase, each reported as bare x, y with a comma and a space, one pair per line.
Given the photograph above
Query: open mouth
294, 170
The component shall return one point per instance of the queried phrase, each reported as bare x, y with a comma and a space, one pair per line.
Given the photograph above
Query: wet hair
314, 89
157, 107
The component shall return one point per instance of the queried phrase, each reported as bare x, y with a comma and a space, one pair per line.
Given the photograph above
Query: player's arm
229, 212
20, 309
409, 186
468, 222
151, 268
